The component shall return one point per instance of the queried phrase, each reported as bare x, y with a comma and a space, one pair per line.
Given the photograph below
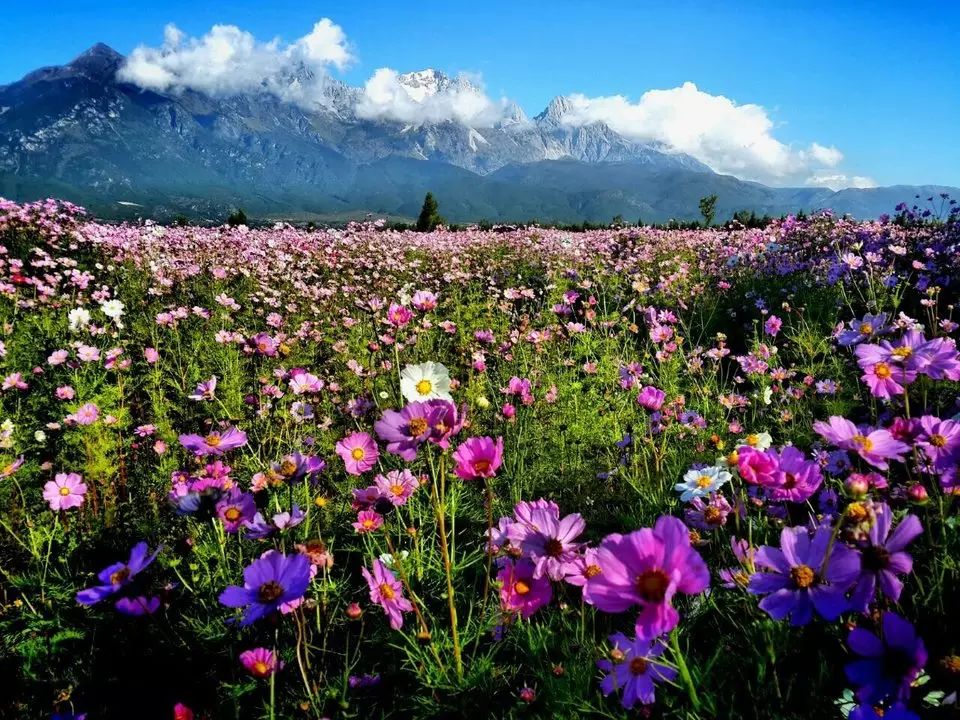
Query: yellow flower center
802, 576
424, 387
938, 440
386, 591
397, 490
64, 491
417, 426
592, 571
260, 668
753, 440
357, 453
288, 468
368, 523
213, 440
120, 576
866, 329
704, 481
857, 512
232, 514
521, 588
864, 442
902, 352
882, 370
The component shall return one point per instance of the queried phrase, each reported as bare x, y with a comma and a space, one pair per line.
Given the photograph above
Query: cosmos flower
651, 398
647, 568
368, 521
478, 457
427, 381
796, 478
708, 514
874, 446
268, 582
387, 592
206, 390
890, 662
137, 606
65, 491
631, 666
757, 467
549, 542
260, 662
358, 452
236, 508
403, 431
397, 486
866, 329
884, 556
804, 574
115, 577
520, 591
215, 443
702, 483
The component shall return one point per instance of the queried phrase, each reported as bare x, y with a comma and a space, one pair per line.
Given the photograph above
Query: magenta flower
520, 591
368, 521
397, 486
875, 446
235, 509
938, 438
115, 577
805, 574
647, 568
632, 668
387, 592
358, 452
137, 606
260, 662
216, 443
796, 478
478, 457
549, 542
206, 390
398, 315
772, 325
65, 491
403, 431
884, 557
651, 398
757, 467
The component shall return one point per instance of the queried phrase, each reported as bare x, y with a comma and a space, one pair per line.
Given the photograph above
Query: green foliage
429, 215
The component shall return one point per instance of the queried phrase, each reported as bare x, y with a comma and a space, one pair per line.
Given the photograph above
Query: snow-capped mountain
317, 145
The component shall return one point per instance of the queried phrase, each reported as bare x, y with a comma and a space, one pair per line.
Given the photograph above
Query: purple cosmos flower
938, 438
286, 520
358, 452
631, 667
403, 431
446, 420
866, 329
478, 457
387, 592
235, 508
268, 583
884, 557
651, 398
206, 390
708, 514
520, 591
549, 542
216, 443
875, 447
137, 606
647, 568
297, 466
772, 326
65, 491
116, 576
803, 576
796, 478
890, 662
260, 662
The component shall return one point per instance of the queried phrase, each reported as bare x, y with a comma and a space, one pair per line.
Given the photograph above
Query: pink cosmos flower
151, 355
756, 467
520, 591
58, 357
772, 325
875, 447
387, 592
398, 315
14, 380
368, 521
397, 486
647, 568
216, 443
65, 392
87, 414
478, 457
358, 452
651, 398
65, 491
260, 662
424, 300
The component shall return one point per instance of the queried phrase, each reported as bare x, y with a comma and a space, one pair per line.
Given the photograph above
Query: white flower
387, 558
767, 395
426, 381
113, 309
701, 483
758, 441
79, 317
39, 436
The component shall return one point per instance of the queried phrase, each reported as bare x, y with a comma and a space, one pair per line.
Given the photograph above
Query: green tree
429, 215
708, 208
238, 217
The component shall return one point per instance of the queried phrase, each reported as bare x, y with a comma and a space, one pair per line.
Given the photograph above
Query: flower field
279, 473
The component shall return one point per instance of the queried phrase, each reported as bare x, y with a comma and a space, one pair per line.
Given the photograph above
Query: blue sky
878, 81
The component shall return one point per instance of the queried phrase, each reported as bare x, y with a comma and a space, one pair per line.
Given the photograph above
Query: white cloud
427, 97
729, 137
228, 61
839, 181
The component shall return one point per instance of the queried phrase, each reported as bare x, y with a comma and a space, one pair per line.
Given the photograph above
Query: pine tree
429, 215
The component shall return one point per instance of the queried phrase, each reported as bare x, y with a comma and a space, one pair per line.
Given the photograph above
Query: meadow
508, 473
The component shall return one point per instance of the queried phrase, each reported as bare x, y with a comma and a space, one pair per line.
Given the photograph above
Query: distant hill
79, 133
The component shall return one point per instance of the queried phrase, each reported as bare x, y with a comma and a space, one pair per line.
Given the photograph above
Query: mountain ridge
80, 132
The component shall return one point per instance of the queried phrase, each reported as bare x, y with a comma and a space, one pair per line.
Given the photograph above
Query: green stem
683, 670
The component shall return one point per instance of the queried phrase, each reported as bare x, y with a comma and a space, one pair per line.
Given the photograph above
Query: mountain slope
78, 132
